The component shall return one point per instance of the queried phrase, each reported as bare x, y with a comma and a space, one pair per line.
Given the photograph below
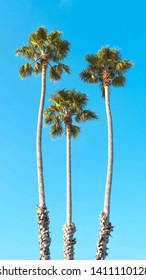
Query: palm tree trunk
68, 178
105, 225
43, 218
69, 228
110, 154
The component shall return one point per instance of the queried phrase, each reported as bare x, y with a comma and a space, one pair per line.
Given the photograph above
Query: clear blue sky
88, 25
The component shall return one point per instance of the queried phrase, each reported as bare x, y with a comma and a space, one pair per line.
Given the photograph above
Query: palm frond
75, 131
36, 41
74, 99
65, 68
37, 69
49, 118
53, 36
27, 52
51, 109
59, 50
42, 33
124, 65
115, 54
79, 100
26, 70
92, 59
106, 53
56, 130
55, 72
85, 116
63, 94
89, 77
63, 48
119, 81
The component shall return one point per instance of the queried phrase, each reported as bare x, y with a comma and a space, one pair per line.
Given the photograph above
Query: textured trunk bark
43, 218
69, 228
69, 241
105, 225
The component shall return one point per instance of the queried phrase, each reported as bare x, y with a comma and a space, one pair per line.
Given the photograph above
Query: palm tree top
106, 61
68, 107
44, 48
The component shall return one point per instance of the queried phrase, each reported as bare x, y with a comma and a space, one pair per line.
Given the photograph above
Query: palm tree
68, 105
42, 50
107, 68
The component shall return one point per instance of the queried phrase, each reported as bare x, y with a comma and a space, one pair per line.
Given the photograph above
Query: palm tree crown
42, 49
106, 67
68, 105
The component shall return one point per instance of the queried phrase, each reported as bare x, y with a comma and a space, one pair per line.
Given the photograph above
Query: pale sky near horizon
88, 25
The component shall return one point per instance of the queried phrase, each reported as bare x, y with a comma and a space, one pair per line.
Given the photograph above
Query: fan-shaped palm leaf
123, 66
75, 131
42, 33
92, 59
56, 129
56, 71
53, 36
37, 69
28, 52
89, 77
119, 81
26, 70
85, 116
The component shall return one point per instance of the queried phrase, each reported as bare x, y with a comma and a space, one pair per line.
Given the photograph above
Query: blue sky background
88, 25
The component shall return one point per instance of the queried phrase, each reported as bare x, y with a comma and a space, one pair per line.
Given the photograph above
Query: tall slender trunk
69, 228
39, 141
110, 154
43, 218
68, 178
105, 225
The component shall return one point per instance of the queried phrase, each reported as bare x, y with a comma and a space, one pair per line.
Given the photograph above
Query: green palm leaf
42, 33
85, 116
119, 81
91, 59
123, 65
63, 48
56, 71
53, 36
26, 70
28, 52
89, 77
56, 130
75, 131
50, 118
37, 69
